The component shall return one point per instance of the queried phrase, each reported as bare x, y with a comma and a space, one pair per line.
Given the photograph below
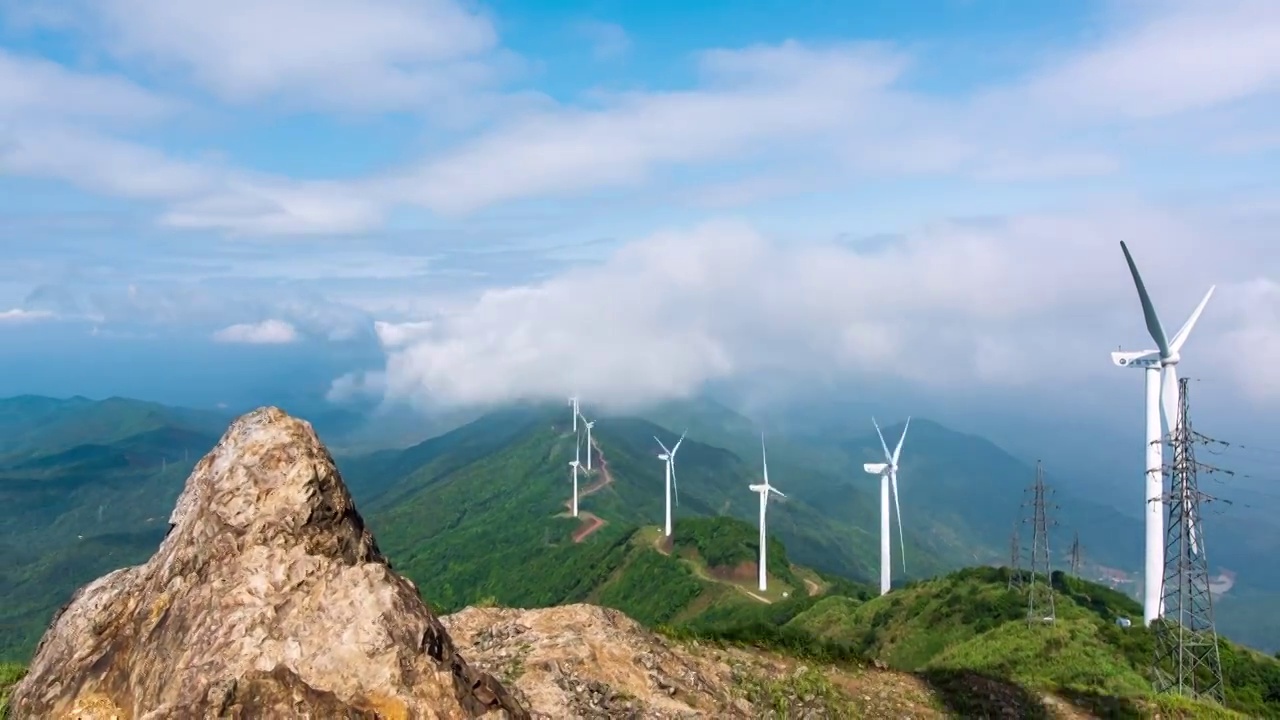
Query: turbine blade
664, 447
776, 492
898, 450
902, 544
1148, 310
577, 447
764, 458
882, 442
677, 447
1169, 397
675, 486
1181, 336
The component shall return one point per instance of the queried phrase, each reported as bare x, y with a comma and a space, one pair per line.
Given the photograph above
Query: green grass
10, 674
970, 625
796, 694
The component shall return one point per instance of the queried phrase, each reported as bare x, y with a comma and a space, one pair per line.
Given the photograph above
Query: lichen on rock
267, 598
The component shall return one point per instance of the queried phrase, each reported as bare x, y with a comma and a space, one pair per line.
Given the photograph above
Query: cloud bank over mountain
525, 203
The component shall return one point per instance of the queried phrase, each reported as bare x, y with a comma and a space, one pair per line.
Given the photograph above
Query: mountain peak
267, 589
271, 481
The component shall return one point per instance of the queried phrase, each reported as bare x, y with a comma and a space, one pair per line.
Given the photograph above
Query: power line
1186, 658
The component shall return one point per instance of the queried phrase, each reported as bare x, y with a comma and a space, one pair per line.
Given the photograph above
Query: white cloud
784, 94
276, 207
204, 306
19, 315
845, 112
397, 335
267, 332
357, 386
996, 304
35, 87
1173, 57
202, 195
608, 40
348, 54
851, 109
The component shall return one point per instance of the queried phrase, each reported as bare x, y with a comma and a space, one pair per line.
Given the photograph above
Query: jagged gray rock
268, 598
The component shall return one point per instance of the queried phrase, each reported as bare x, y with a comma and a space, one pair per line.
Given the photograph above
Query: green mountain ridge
963, 495
486, 494
478, 516
972, 621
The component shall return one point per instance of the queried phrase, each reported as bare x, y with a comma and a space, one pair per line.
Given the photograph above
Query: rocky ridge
267, 598
584, 661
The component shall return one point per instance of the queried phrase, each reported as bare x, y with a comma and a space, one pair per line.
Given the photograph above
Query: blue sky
444, 202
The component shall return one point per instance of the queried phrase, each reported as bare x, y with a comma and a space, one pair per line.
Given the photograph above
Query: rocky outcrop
584, 661
268, 598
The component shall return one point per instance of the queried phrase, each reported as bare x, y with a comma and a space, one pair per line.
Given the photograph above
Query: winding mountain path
702, 573
591, 521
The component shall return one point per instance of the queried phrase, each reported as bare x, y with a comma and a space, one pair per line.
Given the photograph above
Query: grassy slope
10, 673
460, 523
969, 623
459, 529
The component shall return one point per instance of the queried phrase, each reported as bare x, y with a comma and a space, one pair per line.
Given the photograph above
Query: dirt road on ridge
591, 521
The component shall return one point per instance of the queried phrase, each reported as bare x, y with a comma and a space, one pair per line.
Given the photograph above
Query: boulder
268, 598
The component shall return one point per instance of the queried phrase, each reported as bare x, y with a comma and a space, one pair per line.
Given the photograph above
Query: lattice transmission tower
1186, 659
1015, 559
1040, 582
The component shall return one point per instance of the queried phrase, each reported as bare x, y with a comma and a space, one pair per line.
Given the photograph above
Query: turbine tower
888, 472
573, 403
669, 457
589, 426
764, 490
574, 463
1162, 390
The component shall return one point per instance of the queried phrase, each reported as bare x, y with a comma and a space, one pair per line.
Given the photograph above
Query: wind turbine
577, 453
888, 472
764, 489
1161, 366
589, 426
669, 457
573, 403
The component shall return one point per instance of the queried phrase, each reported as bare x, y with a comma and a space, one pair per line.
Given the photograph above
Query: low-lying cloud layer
267, 332
1031, 303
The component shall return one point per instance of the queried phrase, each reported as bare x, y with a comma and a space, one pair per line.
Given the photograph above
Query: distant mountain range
478, 512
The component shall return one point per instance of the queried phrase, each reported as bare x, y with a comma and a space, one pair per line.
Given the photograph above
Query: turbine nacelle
574, 463
1143, 360
663, 456
876, 468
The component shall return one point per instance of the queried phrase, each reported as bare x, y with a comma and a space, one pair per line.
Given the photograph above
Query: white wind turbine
669, 457
573, 403
1162, 389
588, 425
574, 463
764, 489
888, 472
